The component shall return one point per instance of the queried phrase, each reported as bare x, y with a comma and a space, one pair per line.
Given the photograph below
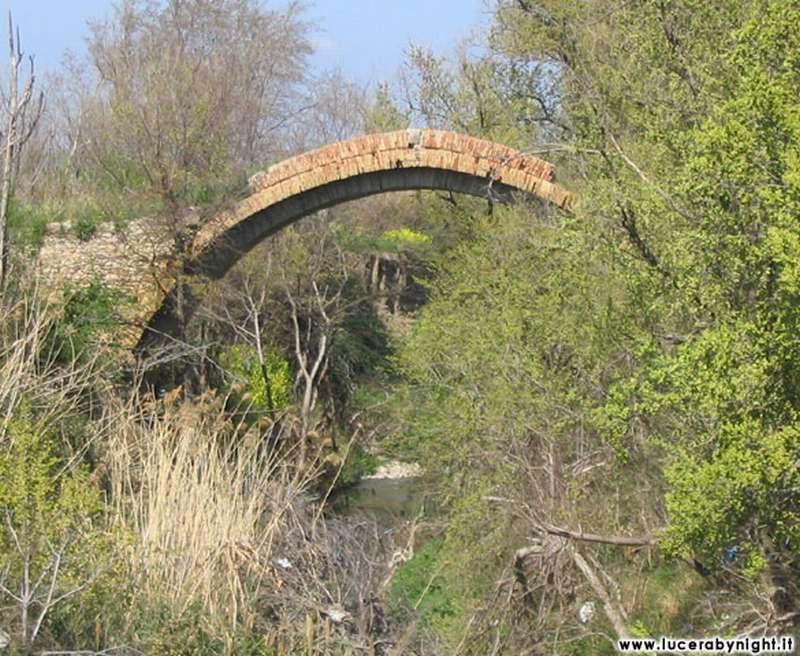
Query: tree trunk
612, 608
16, 112
8, 156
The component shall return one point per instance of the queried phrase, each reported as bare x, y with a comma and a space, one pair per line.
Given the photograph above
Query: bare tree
317, 306
194, 91
192, 95
41, 587
22, 112
239, 306
334, 110
42, 538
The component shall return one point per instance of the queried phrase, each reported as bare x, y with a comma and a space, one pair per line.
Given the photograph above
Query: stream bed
388, 499
395, 493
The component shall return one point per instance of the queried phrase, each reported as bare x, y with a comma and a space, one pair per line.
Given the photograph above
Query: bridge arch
403, 160
393, 161
410, 159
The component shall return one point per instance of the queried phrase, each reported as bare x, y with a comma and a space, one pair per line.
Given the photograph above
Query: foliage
185, 636
384, 115
724, 398
27, 224
54, 543
28, 221
659, 324
397, 241
87, 215
417, 589
359, 463
91, 314
32, 493
629, 368
401, 239
670, 592
360, 348
267, 385
203, 67
85, 227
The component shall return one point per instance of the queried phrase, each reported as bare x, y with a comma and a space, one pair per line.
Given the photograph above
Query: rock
336, 615
396, 469
586, 612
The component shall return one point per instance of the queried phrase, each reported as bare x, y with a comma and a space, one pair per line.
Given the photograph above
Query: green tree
267, 385
384, 115
656, 325
51, 547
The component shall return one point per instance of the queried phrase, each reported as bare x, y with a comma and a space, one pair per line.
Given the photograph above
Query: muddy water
389, 499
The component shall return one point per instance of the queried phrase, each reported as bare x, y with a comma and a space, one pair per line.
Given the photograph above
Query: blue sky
347, 34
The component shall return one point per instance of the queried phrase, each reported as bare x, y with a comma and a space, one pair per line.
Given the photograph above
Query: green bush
418, 589
671, 591
85, 226
90, 313
397, 241
167, 634
183, 637
359, 349
269, 387
359, 463
54, 531
86, 215
27, 224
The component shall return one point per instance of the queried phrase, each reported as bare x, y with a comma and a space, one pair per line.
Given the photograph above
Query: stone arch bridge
141, 260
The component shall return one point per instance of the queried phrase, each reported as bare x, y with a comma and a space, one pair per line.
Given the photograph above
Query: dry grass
232, 530
207, 511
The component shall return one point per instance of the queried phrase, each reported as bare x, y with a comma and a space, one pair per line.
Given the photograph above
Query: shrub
27, 224
397, 241
90, 313
54, 542
268, 388
417, 587
359, 463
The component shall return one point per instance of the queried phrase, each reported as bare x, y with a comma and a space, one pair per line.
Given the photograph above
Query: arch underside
220, 255
218, 258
